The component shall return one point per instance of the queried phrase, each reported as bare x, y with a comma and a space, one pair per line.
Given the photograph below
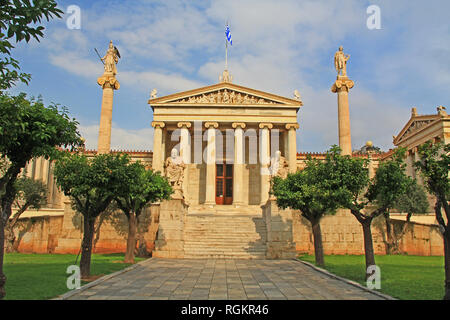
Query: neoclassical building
219, 146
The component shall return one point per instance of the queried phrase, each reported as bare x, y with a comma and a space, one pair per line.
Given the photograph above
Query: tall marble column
342, 86
109, 83
211, 163
292, 148
239, 163
264, 156
158, 160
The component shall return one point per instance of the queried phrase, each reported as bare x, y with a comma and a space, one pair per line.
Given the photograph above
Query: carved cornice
342, 84
292, 126
215, 125
184, 124
265, 125
107, 81
238, 124
159, 124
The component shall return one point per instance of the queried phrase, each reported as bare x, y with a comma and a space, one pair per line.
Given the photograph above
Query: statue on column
111, 58
340, 62
279, 167
175, 173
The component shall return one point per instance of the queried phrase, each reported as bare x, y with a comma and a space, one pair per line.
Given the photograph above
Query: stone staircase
224, 234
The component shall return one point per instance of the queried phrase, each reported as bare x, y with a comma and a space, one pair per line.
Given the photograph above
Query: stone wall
342, 234
61, 234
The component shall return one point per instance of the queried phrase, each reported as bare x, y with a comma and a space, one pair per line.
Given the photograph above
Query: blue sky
278, 46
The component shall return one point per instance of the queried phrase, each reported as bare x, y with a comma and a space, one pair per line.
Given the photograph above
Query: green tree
91, 183
413, 201
315, 192
140, 188
28, 129
434, 165
30, 194
370, 199
21, 19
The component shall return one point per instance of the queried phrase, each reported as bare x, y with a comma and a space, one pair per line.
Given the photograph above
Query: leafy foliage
93, 182
414, 200
21, 19
140, 188
30, 193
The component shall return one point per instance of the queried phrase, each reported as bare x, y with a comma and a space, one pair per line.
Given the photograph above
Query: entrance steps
225, 233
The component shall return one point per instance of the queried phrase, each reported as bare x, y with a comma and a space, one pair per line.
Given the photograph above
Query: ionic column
109, 83
342, 86
38, 169
185, 147
417, 158
211, 163
292, 148
157, 162
45, 169
239, 163
265, 160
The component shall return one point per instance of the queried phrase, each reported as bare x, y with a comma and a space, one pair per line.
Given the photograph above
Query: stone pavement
183, 279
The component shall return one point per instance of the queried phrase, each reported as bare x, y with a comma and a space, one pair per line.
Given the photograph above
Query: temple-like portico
226, 135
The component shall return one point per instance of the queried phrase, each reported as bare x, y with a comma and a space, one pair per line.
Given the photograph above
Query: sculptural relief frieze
225, 97
415, 126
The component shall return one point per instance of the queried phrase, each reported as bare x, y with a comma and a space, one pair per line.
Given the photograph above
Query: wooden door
224, 183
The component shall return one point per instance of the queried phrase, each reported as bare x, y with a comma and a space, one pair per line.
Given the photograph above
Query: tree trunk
131, 241
368, 244
86, 247
390, 239
318, 245
2, 250
447, 262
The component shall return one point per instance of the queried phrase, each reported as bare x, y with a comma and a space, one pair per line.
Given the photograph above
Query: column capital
214, 125
265, 125
238, 124
184, 124
158, 124
342, 84
292, 126
107, 81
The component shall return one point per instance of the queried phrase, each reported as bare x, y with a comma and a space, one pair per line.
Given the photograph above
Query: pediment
414, 125
224, 94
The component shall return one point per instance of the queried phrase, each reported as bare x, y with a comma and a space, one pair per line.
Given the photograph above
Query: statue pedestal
280, 244
170, 237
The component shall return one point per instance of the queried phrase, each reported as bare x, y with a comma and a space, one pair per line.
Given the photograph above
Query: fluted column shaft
239, 162
158, 161
265, 160
211, 163
292, 149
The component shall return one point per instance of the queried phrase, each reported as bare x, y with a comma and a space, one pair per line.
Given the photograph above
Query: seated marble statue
175, 169
279, 166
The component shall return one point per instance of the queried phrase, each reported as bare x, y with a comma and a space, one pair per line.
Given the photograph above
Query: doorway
224, 183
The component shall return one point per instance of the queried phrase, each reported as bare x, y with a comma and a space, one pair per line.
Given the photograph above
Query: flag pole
226, 51
226, 54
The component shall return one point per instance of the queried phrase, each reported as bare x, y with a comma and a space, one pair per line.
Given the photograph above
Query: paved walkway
163, 279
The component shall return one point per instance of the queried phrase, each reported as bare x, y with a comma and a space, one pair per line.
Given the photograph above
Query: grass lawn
43, 276
402, 277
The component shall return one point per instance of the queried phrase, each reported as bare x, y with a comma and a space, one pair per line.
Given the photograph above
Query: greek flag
228, 34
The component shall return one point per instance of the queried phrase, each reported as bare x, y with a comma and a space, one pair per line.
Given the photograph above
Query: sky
278, 46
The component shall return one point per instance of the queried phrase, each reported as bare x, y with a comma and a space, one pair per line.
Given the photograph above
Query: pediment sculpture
225, 96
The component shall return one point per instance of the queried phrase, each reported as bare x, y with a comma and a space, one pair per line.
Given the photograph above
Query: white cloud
278, 46
121, 139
